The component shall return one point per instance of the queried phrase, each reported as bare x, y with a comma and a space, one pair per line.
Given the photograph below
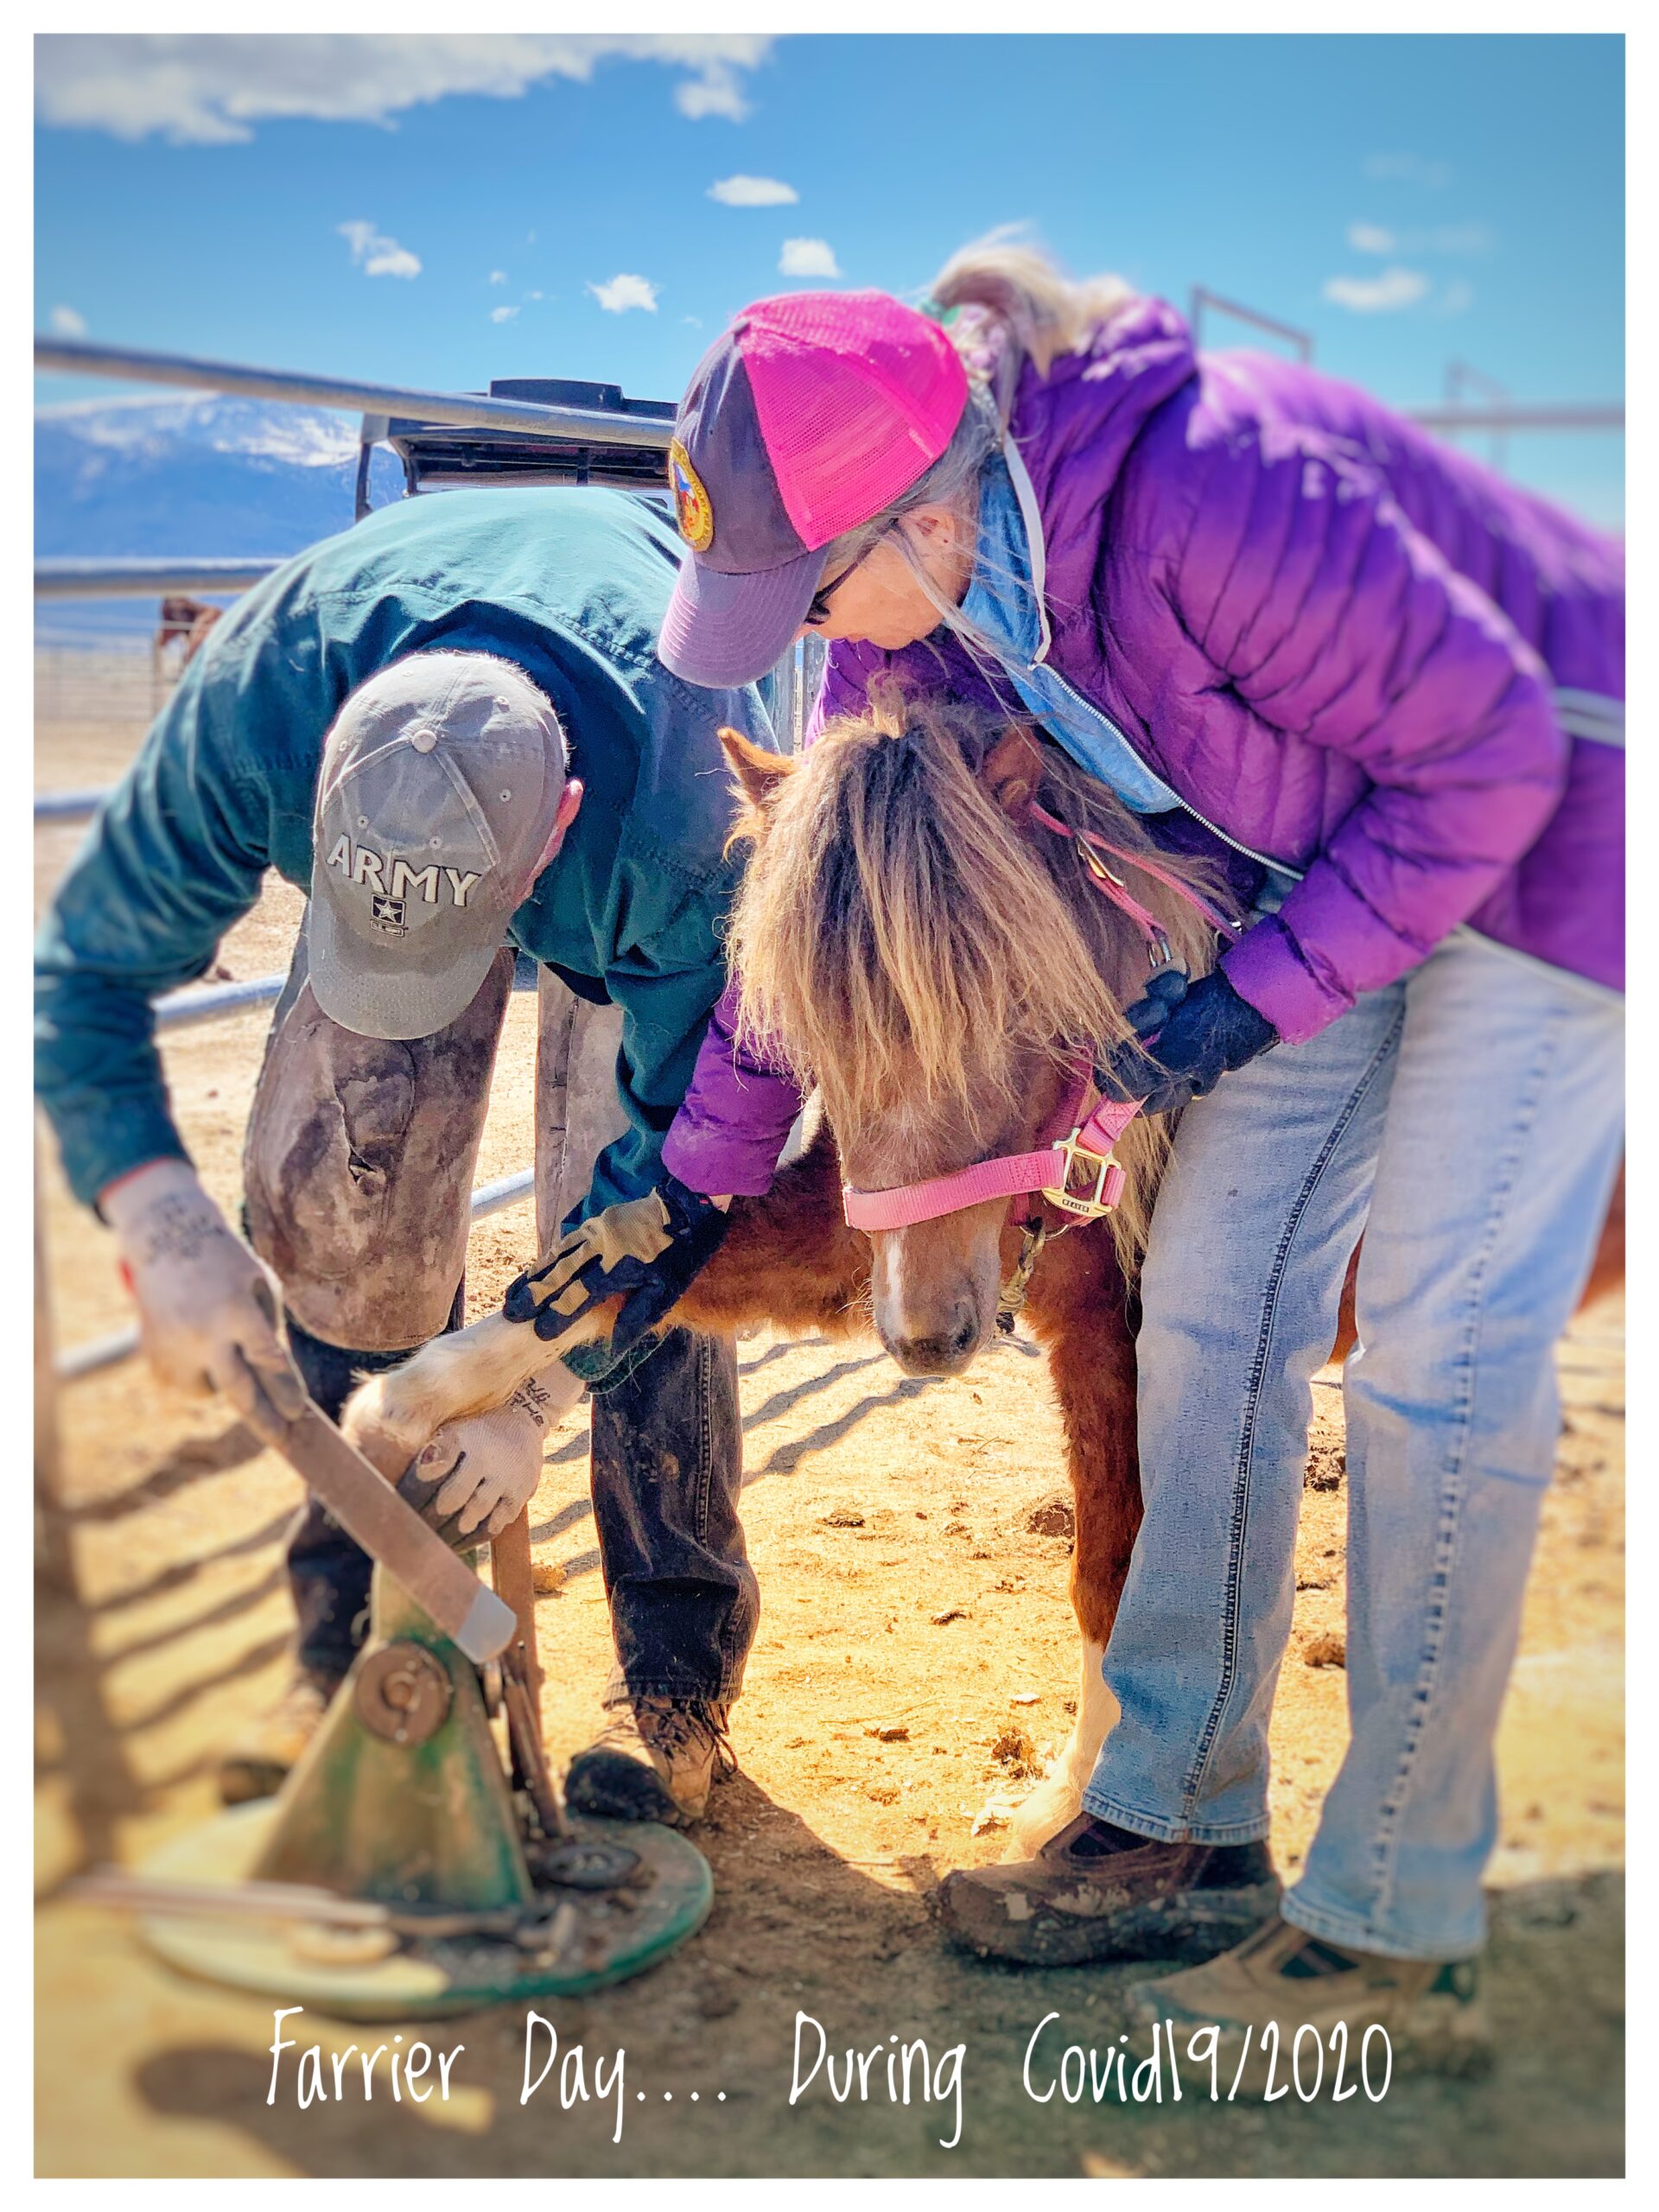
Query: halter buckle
1107, 1174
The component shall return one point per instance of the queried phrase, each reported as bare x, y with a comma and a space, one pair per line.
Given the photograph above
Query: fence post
51, 1539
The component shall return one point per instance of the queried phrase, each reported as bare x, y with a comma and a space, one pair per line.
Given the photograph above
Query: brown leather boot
1432, 2012
656, 1759
1097, 1892
258, 1764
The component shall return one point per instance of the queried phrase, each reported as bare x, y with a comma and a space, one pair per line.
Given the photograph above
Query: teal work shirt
570, 585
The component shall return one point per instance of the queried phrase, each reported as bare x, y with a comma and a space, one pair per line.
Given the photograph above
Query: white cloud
715, 92
67, 323
209, 89
502, 314
498, 276
1447, 237
696, 321
1409, 169
808, 257
623, 292
532, 296
1458, 297
375, 254
1394, 288
752, 191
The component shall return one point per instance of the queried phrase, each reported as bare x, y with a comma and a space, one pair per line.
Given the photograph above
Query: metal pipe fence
146, 579
471, 410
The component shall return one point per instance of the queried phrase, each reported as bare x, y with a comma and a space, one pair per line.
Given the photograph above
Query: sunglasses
818, 610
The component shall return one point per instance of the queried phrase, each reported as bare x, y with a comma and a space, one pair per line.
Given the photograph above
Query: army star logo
692, 508
387, 914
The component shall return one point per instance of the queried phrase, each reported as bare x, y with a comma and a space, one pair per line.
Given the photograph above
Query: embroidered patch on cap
692, 511
387, 914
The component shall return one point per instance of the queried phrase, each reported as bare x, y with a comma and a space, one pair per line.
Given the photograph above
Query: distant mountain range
160, 477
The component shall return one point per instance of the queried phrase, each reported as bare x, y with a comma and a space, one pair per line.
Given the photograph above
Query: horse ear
758, 771
1012, 771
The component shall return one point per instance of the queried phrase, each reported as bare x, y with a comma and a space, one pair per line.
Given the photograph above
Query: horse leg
788, 1257
1083, 1316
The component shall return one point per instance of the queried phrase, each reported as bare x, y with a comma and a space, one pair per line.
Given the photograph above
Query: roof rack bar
78, 357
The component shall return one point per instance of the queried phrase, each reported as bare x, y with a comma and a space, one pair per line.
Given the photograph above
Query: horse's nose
946, 1351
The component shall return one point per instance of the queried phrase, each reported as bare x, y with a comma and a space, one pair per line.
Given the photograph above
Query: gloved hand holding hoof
647, 1250
208, 1308
1190, 1039
478, 1474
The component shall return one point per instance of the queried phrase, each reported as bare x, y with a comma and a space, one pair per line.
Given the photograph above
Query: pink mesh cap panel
856, 395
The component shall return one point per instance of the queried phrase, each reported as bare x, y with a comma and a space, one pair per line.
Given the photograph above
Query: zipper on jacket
1036, 549
1261, 859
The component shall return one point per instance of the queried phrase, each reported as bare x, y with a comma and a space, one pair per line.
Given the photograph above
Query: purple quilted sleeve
737, 1112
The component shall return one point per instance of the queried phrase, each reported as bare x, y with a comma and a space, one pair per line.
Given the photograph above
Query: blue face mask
1003, 612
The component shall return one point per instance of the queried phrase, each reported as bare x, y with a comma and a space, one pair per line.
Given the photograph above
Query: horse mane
906, 944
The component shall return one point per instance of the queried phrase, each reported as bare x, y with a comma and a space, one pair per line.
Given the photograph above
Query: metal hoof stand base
591, 1937
397, 1875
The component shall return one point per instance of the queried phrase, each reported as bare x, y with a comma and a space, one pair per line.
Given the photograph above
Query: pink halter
1014, 1174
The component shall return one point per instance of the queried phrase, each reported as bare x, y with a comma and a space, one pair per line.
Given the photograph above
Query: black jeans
666, 1470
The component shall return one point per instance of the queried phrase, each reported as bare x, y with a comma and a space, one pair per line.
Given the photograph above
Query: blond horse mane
905, 944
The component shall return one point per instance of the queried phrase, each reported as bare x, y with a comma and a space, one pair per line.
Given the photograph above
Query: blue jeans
1470, 1120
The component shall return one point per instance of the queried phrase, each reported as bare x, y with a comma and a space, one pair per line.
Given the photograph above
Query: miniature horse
915, 940
911, 940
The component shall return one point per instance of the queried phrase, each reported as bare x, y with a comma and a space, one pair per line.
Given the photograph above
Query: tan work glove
208, 1308
645, 1251
478, 1474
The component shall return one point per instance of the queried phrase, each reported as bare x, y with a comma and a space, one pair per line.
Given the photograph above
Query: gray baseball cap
439, 789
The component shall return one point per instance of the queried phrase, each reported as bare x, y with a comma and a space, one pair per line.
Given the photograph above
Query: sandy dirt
868, 1736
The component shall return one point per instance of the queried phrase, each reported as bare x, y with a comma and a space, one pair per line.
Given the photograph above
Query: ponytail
1015, 305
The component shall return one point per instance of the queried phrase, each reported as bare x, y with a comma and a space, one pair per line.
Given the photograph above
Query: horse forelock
911, 949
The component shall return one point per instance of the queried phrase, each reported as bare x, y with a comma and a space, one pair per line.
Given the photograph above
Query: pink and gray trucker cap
437, 796
811, 413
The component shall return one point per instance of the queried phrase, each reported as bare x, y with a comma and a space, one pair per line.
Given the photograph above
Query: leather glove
477, 1475
1192, 1035
208, 1308
648, 1249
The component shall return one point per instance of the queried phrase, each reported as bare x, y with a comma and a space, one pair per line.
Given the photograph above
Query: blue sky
439, 211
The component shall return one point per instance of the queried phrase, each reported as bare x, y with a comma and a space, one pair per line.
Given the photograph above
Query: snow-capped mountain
186, 475
199, 475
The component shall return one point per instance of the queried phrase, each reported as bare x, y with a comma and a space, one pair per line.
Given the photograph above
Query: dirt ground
874, 1743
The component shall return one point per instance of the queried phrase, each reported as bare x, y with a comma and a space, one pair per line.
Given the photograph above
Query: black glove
649, 1247
1193, 1037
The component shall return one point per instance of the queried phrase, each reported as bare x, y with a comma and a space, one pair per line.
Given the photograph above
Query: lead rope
1011, 1298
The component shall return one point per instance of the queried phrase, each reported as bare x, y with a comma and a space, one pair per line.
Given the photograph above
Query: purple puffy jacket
1350, 648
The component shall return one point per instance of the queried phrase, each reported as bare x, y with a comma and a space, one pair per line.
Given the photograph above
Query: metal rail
186, 1008
67, 806
1204, 297
75, 357
1596, 415
147, 579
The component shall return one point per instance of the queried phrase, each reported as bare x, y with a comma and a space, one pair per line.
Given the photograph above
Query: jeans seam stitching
1386, 1847
1194, 1783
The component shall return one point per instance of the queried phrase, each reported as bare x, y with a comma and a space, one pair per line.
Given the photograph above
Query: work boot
1097, 1892
258, 1764
656, 1759
1432, 2013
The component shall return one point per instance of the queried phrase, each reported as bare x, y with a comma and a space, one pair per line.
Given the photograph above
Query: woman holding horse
1381, 688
